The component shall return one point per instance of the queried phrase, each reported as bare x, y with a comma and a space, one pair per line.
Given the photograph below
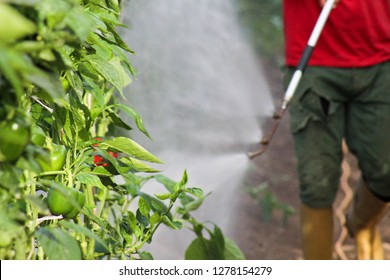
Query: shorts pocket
308, 106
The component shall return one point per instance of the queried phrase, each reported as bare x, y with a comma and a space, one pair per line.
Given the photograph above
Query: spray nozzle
277, 116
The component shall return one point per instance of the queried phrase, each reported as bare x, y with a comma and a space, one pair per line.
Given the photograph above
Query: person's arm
322, 3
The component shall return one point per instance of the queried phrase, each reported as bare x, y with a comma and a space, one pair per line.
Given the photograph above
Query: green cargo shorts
332, 104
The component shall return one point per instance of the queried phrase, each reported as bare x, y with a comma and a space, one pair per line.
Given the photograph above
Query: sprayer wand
296, 78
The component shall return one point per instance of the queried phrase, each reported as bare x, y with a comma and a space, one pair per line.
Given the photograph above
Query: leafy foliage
269, 203
62, 63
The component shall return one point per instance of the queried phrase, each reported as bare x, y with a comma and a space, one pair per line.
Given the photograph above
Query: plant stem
102, 202
151, 232
49, 218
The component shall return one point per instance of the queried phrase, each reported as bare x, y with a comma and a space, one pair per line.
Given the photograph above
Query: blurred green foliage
263, 21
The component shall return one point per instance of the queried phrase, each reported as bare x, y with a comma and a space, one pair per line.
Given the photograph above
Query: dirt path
258, 238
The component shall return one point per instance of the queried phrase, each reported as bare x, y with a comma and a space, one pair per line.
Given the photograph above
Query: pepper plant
70, 186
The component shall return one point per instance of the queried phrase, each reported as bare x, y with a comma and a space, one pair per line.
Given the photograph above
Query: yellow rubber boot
369, 244
363, 224
317, 233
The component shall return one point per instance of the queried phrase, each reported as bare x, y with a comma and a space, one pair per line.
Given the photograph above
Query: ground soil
273, 239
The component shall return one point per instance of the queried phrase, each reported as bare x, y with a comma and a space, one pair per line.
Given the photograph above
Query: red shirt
357, 33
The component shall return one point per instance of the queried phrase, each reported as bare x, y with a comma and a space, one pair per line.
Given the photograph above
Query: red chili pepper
99, 160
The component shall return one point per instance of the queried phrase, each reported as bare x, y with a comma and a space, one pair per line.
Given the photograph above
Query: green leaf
138, 166
129, 147
13, 25
168, 183
202, 249
143, 207
133, 114
9, 228
103, 224
126, 234
99, 23
101, 97
158, 206
50, 84
182, 183
124, 76
232, 251
131, 219
107, 70
89, 179
37, 202
219, 239
105, 13
81, 22
218, 247
119, 40
23, 2
10, 64
116, 120
75, 121
30, 46
115, 5
10, 178
145, 255
58, 244
124, 59
193, 205
53, 12
75, 81
87, 70
155, 219
101, 47
176, 225
163, 196
142, 219
101, 171
85, 231
195, 192
155, 204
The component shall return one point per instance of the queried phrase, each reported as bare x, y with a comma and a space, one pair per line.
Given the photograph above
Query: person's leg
363, 223
317, 233
367, 135
319, 172
317, 124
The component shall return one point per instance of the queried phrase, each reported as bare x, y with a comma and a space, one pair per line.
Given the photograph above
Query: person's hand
322, 3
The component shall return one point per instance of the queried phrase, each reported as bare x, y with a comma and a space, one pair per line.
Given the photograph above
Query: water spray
296, 77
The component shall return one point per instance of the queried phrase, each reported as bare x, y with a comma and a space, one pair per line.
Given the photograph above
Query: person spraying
344, 93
